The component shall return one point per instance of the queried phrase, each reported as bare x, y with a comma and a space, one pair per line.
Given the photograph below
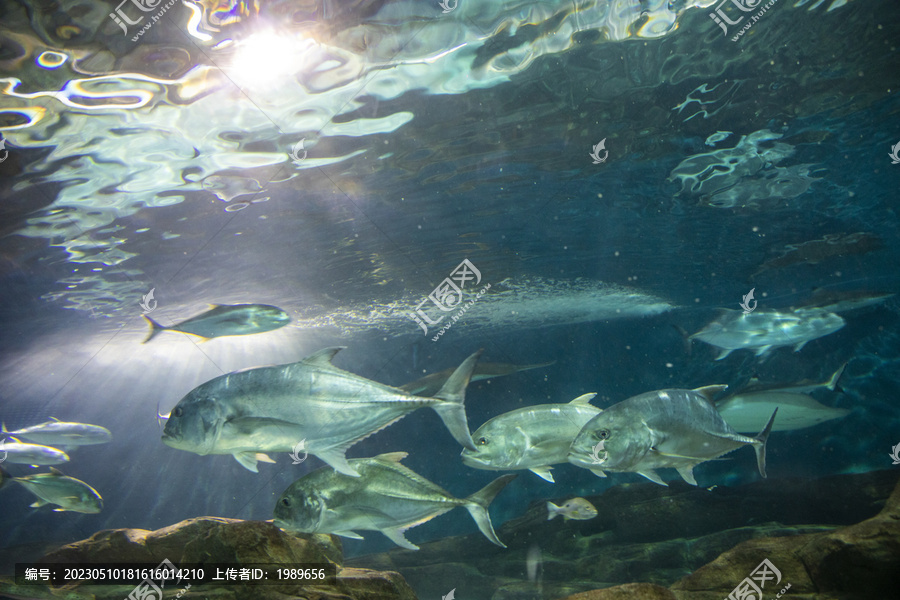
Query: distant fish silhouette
449, 596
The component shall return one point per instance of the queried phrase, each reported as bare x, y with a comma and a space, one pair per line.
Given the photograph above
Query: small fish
428, 385
672, 428
223, 320
267, 409
747, 412
61, 434
842, 301
68, 493
386, 497
764, 330
815, 251
449, 596
804, 386
19, 453
532, 438
576, 508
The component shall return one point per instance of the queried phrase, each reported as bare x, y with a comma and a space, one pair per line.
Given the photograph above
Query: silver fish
61, 434
428, 385
270, 409
747, 412
386, 497
222, 320
763, 330
68, 493
530, 438
576, 508
16, 452
799, 387
668, 428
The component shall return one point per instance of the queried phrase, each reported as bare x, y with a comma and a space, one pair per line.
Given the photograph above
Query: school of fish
315, 405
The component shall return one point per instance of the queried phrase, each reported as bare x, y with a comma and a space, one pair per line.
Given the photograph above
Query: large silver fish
16, 452
271, 409
428, 385
68, 493
804, 386
61, 434
668, 428
222, 320
530, 438
747, 412
763, 330
386, 497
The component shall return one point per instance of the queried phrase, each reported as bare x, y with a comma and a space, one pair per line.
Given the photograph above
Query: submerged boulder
211, 540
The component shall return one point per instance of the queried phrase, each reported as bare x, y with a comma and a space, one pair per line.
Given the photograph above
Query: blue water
181, 180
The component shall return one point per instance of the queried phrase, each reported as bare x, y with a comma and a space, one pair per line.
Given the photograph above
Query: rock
201, 540
629, 591
210, 540
859, 561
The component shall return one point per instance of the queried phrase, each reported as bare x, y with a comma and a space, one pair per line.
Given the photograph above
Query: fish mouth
473, 461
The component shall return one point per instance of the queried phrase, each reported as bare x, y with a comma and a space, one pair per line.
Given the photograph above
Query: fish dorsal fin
710, 391
395, 457
323, 358
212, 306
56, 471
583, 400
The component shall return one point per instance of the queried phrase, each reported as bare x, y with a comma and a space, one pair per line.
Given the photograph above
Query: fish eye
177, 412
482, 441
286, 502
603, 434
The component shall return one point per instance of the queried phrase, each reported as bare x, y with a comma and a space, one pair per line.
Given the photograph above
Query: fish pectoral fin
349, 534
598, 472
543, 473
59, 510
336, 458
687, 473
247, 460
653, 476
38, 504
395, 534
263, 457
799, 346
251, 425
763, 350
725, 352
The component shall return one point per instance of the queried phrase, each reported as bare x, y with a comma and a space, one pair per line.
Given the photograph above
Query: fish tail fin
477, 505
552, 511
761, 448
452, 410
154, 328
685, 339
